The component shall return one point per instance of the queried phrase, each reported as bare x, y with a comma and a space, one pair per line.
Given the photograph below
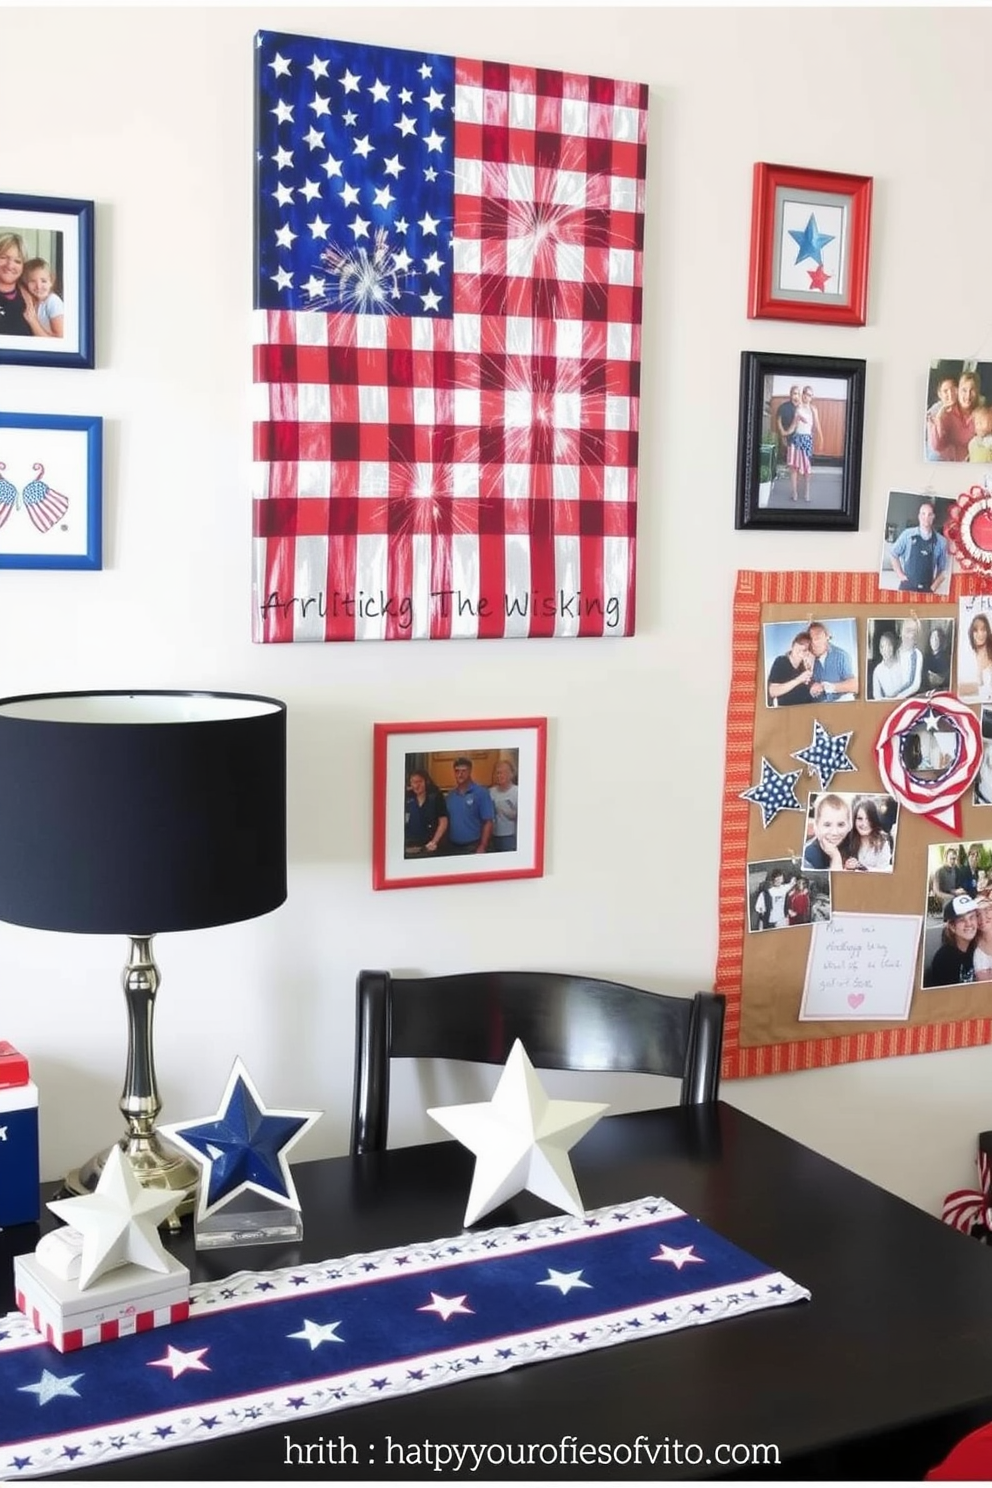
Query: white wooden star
118, 1221
677, 1258
445, 1307
179, 1360
521, 1140
318, 1333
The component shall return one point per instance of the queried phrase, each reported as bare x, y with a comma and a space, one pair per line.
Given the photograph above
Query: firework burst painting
448, 262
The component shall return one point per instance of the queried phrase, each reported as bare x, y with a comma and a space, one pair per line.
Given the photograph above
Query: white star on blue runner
827, 755
677, 1257
775, 792
51, 1385
564, 1280
445, 1307
318, 1333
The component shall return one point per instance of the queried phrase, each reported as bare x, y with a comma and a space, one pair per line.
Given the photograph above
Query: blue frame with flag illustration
58, 231
51, 514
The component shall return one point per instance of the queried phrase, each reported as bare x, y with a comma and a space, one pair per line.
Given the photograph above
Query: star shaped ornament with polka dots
827, 755
775, 792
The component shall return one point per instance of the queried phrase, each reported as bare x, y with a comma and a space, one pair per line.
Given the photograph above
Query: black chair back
564, 1022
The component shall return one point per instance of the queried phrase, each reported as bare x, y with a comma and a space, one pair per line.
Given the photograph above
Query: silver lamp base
156, 1165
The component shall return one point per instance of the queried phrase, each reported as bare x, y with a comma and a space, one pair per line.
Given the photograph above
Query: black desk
877, 1377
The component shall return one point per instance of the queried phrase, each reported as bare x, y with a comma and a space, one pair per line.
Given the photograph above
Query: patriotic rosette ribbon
937, 798
968, 531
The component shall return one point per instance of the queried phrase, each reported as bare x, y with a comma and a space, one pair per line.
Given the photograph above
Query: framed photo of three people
458, 802
46, 281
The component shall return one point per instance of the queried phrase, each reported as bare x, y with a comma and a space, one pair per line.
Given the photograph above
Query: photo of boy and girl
916, 557
907, 656
29, 304
802, 440
957, 937
781, 895
459, 804
975, 648
850, 833
815, 663
958, 420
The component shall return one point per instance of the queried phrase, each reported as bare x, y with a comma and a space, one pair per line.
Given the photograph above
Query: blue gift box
19, 1198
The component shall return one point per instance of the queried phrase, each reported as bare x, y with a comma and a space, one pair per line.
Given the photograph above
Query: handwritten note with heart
861, 968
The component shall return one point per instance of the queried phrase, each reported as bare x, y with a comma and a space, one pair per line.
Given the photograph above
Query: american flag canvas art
448, 265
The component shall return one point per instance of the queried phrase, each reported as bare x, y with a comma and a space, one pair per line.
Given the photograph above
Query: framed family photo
810, 234
799, 442
458, 802
51, 491
46, 281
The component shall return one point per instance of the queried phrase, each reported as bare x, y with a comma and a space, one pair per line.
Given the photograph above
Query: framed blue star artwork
810, 232
799, 441
242, 1148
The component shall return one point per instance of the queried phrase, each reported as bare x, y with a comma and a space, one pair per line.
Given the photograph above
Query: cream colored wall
148, 111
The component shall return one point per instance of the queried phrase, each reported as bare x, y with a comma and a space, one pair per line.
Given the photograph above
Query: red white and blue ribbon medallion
929, 750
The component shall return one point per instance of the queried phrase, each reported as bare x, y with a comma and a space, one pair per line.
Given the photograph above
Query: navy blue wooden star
810, 242
243, 1146
774, 792
827, 755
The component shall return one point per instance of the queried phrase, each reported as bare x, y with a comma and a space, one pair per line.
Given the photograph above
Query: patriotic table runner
448, 265
268, 1348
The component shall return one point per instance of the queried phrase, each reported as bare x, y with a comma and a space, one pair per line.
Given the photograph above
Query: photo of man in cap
470, 812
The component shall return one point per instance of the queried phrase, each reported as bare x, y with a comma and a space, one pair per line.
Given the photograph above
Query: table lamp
136, 813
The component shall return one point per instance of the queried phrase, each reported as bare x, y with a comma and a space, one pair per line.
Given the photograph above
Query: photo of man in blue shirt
470, 812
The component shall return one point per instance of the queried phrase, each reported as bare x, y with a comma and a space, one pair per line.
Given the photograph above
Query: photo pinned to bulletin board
878, 961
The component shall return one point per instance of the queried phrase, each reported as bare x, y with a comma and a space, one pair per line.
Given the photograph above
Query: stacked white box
129, 1299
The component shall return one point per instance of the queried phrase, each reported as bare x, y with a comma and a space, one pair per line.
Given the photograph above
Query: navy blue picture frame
76, 219
89, 554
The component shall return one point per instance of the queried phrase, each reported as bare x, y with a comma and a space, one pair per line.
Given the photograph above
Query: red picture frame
827, 215
503, 788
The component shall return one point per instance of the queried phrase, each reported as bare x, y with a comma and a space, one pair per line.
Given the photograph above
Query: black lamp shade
140, 812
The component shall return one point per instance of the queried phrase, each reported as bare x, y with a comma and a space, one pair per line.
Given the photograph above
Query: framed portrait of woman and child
46, 281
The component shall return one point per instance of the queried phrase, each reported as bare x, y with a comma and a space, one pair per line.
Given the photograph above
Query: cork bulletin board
762, 975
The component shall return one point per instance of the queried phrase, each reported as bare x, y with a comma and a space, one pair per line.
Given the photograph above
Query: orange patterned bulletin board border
762, 975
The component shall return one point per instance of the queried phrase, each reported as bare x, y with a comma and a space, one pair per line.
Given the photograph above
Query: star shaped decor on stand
827, 755
775, 792
243, 1147
810, 242
521, 1139
118, 1221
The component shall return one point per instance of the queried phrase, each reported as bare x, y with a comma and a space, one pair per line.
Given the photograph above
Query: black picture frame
59, 230
765, 482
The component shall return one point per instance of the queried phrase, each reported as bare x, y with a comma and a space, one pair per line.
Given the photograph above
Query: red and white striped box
129, 1299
